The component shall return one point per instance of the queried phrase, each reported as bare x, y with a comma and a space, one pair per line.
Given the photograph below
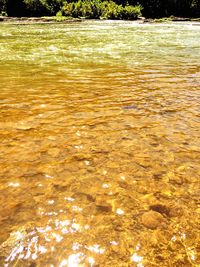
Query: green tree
161, 8
15, 8
195, 8
3, 6
42, 7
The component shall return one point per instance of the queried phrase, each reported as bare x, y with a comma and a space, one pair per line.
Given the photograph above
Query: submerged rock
103, 205
130, 107
171, 210
23, 126
54, 152
160, 208
152, 219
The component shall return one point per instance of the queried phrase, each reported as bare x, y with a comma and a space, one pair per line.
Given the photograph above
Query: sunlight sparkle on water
120, 211
105, 186
114, 243
96, 249
12, 184
91, 261
73, 260
48, 176
137, 259
69, 199
51, 202
76, 208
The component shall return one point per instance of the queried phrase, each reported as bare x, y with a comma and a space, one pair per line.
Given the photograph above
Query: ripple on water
99, 154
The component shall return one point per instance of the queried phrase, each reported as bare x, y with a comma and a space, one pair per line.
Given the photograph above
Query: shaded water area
99, 145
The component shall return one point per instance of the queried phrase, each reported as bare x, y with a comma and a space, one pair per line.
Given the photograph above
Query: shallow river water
100, 145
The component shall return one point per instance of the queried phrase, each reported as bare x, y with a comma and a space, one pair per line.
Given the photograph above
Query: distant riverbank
52, 19
55, 19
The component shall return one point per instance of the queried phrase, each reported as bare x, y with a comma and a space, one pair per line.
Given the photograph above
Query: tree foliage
161, 8
30, 7
97, 8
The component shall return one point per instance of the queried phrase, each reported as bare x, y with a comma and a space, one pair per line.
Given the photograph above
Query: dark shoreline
33, 20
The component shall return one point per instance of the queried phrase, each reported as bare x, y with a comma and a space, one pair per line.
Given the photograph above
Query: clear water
99, 144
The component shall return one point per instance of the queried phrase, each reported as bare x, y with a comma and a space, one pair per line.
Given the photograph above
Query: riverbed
100, 144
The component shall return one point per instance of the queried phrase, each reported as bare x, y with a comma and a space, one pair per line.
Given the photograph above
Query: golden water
99, 145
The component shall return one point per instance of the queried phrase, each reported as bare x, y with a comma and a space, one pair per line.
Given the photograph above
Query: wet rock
152, 219
180, 19
148, 20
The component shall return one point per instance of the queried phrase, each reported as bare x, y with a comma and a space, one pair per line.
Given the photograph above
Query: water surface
100, 145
